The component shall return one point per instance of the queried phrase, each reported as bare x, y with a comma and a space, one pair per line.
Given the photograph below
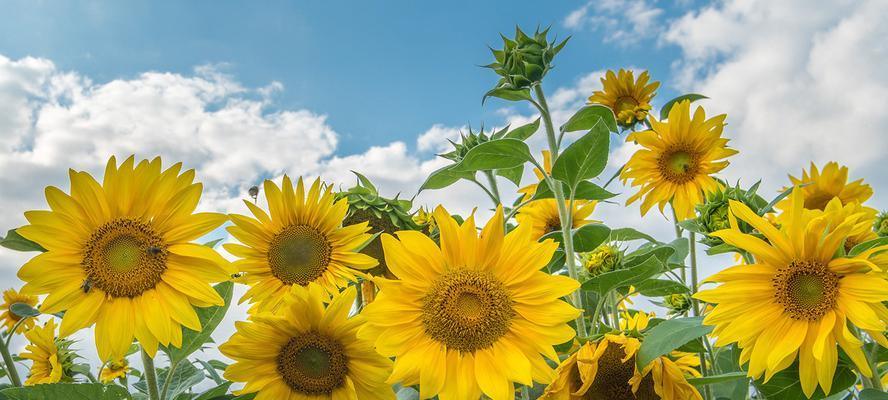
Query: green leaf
664, 112
583, 159
629, 234
184, 377
860, 248
67, 391
444, 177
776, 200
586, 238
667, 336
512, 174
873, 394
23, 310
210, 317
213, 243
624, 277
524, 131
588, 116
660, 287
708, 380
214, 393
495, 154
14, 241
785, 385
365, 182
508, 94
585, 191
211, 372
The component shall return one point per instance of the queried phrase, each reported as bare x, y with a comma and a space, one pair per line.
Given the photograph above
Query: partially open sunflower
821, 186
461, 311
51, 357
10, 297
629, 98
120, 255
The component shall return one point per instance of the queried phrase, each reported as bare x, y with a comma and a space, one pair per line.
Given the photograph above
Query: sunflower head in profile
458, 311
677, 160
120, 256
605, 370
796, 300
629, 98
299, 241
542, 215
821, 186
51, 357
114, 370
10, 297
307, 349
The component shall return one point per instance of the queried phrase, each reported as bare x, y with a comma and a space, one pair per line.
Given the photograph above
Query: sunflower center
612, 378
313, 363
806, 289
299, 254
818, 200
124, 258
373, 249
467, 310
625, 103
679, 165
552, 225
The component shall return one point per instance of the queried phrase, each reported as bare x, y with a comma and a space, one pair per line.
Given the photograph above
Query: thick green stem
695, 305
150, 375
169, 378
684, 277
10, 364
547, 121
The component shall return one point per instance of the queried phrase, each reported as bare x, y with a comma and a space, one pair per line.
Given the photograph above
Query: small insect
154, 250
237, 275
86, 286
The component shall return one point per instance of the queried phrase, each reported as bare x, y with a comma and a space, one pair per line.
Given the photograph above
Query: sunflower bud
426, 220
712, 215
524, 60
253, 192
605, 258
466, 143
881, 224
677, 304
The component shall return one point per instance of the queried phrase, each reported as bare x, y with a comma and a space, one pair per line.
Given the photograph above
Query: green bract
522, 62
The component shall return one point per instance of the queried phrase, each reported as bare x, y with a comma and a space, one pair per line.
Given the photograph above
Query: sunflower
862, 231
461, 311
605, 370
678, 158
51, 358
10, 297
299, 241
529, 190
630, 99
120, 256
819, 187
306, 350
114, 370
795, 301
542, 215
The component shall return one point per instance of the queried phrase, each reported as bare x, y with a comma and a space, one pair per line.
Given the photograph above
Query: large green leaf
602, 284
184, 377
210, 317
660, 287
585, 190
586, 118
14, 241
512, 174
23, 310
669, 335
583, 159
67, 391
708, 380
586, 238
524, 131
444, 177
508, 94
785, 385
495, 154
873, 394
628, 234
215, 392
692, 97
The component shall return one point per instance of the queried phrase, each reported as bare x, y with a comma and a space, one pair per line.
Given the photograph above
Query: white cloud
622, 22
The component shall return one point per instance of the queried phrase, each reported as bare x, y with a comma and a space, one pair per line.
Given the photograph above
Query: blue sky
381, 71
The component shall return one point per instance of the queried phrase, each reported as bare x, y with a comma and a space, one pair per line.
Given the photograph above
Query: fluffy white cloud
622, 22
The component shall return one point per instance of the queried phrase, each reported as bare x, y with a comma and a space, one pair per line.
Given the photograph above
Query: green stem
684, 278
547, 120
876, 379
169, 378
695, 305
150, 375
493, 186
493, 198
12, 331
10, 365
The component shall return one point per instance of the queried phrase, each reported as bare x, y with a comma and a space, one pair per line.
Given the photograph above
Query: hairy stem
150, 375
10, 364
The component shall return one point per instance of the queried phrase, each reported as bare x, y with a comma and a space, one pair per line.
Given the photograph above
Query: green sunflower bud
466, 143
524, 60
66, 357
881, 224
604, 258
677, 304
712, 215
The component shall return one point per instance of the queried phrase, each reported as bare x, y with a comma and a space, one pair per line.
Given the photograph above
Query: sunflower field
353, 295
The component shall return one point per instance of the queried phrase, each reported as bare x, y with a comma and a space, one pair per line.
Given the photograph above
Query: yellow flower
307, 350
819, 187
542, 215
10, 297
114, 370
795, 301
606, 370
50, 358
300, 241
630, 99
425, 219
530, 189
687, 362
120, 256
462, 311
635, 322
678, 158
862, 231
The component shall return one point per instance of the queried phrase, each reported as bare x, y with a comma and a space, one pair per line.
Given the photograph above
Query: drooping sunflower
630, 99
797, 299
10, 297
819, 187
605, 370
542, 215
51, 358
301, 240
459, 312
307, 350
114, 370
120, 256
678, 158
